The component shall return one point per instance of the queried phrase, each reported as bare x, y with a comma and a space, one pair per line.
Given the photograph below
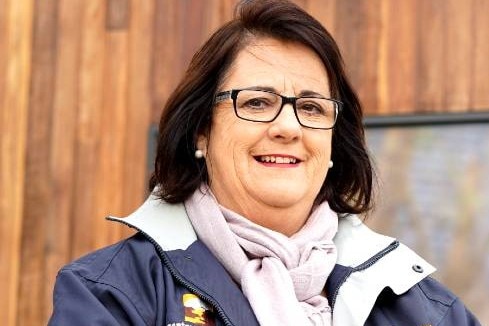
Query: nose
285, 127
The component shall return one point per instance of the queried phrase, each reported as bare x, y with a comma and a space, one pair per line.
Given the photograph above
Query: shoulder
113, 284
102, 265
427, 303
124, 267
452, 311
437, 293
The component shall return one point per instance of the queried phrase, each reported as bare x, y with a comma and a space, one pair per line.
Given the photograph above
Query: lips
277, 159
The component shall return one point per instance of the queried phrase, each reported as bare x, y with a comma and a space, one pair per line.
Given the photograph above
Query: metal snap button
418, 268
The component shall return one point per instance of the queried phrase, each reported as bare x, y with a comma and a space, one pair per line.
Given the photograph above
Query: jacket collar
371, 262
366, 264
173, 231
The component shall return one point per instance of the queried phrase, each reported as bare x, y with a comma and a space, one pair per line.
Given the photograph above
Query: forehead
285, 66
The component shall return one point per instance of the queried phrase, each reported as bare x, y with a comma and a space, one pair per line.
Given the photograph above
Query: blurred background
83, 82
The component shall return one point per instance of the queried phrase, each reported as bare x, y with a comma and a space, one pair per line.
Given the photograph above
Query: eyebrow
306, 92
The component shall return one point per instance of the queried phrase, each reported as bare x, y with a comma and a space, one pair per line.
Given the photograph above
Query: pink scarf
281, 277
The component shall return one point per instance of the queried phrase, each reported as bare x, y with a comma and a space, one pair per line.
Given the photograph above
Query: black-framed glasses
314, 112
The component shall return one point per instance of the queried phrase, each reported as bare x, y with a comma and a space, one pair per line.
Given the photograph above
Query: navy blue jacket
164, 275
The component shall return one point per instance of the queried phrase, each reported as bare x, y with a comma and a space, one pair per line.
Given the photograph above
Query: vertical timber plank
399, 81
459, 47
324, 11
4, 8
370, 80
37, 192
431, 51
383, 66
110, 165
192, 21
480, 48
62, 144
9, 213
167, 49
117, 14
90, 99
139, 104
15, 51
217, 12
358, 32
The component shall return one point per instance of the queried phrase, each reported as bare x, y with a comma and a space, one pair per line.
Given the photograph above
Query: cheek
321, 154
221, 126
321, 146
223, 142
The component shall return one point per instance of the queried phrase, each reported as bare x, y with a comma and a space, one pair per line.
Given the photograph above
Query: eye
256, 103
311, 107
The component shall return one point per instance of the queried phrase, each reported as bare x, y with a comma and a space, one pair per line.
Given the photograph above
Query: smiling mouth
277, 159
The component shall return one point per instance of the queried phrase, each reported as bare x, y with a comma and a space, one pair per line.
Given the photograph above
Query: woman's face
236, 151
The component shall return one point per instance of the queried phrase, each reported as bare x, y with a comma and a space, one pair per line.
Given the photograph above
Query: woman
250, 222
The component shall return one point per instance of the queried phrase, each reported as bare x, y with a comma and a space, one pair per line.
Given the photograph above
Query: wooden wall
82, 80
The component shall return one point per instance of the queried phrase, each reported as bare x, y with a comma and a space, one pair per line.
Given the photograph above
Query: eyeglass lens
263, 106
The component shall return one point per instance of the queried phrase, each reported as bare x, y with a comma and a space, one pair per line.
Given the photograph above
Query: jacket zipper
364, 266
202, 295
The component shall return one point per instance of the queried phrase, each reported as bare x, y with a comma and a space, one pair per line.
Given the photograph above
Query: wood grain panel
139, 105
117, 14
358, 37
398, 57
166, 54
383, 67
325, 12
3, 46
37, 193
62, 143
192, 28
480, 52
113, 126
15, 49
458, 31
89, 124
216, 12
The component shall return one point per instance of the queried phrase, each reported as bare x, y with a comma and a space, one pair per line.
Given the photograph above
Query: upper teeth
277, 159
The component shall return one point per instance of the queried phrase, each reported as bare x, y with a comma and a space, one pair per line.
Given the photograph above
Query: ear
202, 144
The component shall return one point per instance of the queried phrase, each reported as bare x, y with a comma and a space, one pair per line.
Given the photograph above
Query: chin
283, 197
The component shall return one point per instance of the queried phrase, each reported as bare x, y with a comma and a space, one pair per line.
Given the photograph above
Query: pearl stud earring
330, 164
199, 154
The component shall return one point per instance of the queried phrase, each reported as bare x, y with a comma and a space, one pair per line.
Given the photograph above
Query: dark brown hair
188, 112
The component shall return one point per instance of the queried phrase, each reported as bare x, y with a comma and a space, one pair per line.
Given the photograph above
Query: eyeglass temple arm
222, 96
